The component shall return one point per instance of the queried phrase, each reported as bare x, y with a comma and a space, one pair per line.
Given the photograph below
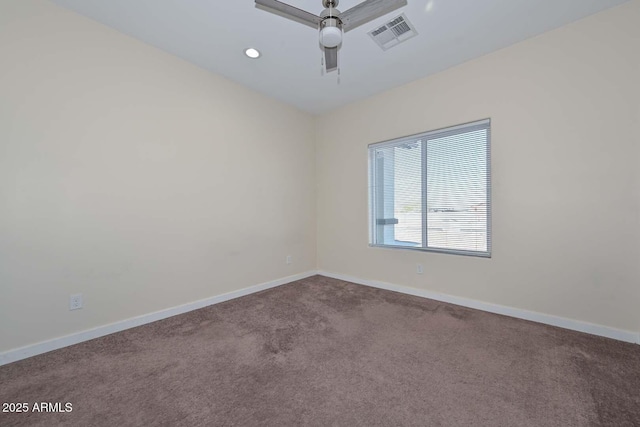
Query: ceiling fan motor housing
330, 26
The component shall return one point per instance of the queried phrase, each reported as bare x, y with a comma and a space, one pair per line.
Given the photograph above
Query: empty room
320, 212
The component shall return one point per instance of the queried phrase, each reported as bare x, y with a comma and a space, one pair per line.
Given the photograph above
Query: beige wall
566, 218
134, 178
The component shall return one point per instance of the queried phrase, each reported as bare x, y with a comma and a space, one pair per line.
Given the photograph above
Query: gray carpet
325, 352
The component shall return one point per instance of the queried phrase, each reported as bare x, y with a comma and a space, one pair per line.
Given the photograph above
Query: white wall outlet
289, 261
419, 269
75, 302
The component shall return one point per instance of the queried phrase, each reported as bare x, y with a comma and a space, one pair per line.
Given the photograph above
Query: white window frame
374, 198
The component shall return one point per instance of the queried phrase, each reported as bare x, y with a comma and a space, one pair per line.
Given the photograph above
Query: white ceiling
214, 33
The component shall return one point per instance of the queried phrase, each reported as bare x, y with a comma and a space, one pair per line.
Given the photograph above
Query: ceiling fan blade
290, 12
331, 58
368, 11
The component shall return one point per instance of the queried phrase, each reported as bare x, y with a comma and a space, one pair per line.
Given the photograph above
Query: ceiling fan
331, 23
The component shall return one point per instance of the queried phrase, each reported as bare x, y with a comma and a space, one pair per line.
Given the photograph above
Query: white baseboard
575, 325
65, 341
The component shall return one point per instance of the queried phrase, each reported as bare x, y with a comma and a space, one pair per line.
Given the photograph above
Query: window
433, 191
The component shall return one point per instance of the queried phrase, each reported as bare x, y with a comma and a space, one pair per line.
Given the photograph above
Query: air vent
394, 32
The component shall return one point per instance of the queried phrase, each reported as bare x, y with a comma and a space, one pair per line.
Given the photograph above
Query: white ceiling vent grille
394, 32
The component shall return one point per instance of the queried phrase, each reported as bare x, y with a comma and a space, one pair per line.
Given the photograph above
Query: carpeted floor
325, 352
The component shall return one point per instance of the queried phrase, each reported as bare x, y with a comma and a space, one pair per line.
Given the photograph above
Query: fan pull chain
322, 64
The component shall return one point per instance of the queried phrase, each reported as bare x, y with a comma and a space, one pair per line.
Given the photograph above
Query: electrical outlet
289, 259
75, 302
419, 269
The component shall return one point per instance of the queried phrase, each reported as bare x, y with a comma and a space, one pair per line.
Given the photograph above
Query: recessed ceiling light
252, 53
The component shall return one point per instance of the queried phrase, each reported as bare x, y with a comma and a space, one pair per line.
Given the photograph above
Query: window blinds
433, 191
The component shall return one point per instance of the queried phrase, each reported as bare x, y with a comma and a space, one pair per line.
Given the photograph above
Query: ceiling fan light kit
330, 36
332, 23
